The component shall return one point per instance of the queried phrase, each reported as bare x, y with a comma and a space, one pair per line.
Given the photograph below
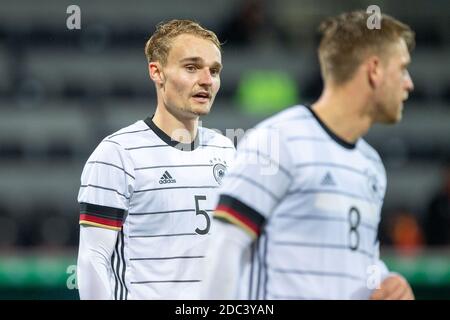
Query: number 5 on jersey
198, 211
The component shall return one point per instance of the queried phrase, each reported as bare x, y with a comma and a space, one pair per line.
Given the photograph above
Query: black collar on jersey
333, 136
167, 139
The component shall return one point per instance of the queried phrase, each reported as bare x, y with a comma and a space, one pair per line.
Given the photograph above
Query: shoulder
283, 125
129, 135
212, 137
116, 144
287, 118
368, 151
291, 122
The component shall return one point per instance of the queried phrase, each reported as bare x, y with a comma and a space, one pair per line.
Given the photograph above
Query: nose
205, 77
409, 83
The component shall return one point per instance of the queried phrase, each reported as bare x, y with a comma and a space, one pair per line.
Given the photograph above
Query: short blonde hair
158, 46
346, 40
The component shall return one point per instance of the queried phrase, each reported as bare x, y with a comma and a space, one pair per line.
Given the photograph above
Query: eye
215, 72
191, 68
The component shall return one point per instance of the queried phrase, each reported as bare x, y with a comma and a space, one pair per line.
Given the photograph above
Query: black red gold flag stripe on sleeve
101, 216
234, 211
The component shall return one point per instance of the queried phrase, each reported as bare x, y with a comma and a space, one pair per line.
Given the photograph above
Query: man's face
396, 84
191, 76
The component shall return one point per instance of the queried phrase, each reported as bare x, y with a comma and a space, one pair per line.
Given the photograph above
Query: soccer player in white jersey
299, 209
148, 191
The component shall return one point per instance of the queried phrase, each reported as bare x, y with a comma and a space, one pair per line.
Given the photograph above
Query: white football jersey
160, 195
313, 203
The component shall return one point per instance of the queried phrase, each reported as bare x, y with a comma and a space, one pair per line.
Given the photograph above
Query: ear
156, 73
374, 71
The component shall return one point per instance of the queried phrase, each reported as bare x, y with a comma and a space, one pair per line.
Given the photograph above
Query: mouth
202, 96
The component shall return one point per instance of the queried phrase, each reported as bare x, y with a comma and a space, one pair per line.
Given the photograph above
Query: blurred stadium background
62, 91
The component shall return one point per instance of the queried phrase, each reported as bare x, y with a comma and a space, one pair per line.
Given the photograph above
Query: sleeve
94, 263
228, 254
257, 181
107, 183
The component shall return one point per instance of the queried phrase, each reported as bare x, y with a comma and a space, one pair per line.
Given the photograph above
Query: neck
344, 111
177, 128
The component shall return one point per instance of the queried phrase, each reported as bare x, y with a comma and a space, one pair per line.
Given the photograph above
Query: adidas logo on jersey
328, 180
167, 178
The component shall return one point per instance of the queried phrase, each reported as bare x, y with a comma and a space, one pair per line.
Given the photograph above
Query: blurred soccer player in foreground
308, 229
148, 190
